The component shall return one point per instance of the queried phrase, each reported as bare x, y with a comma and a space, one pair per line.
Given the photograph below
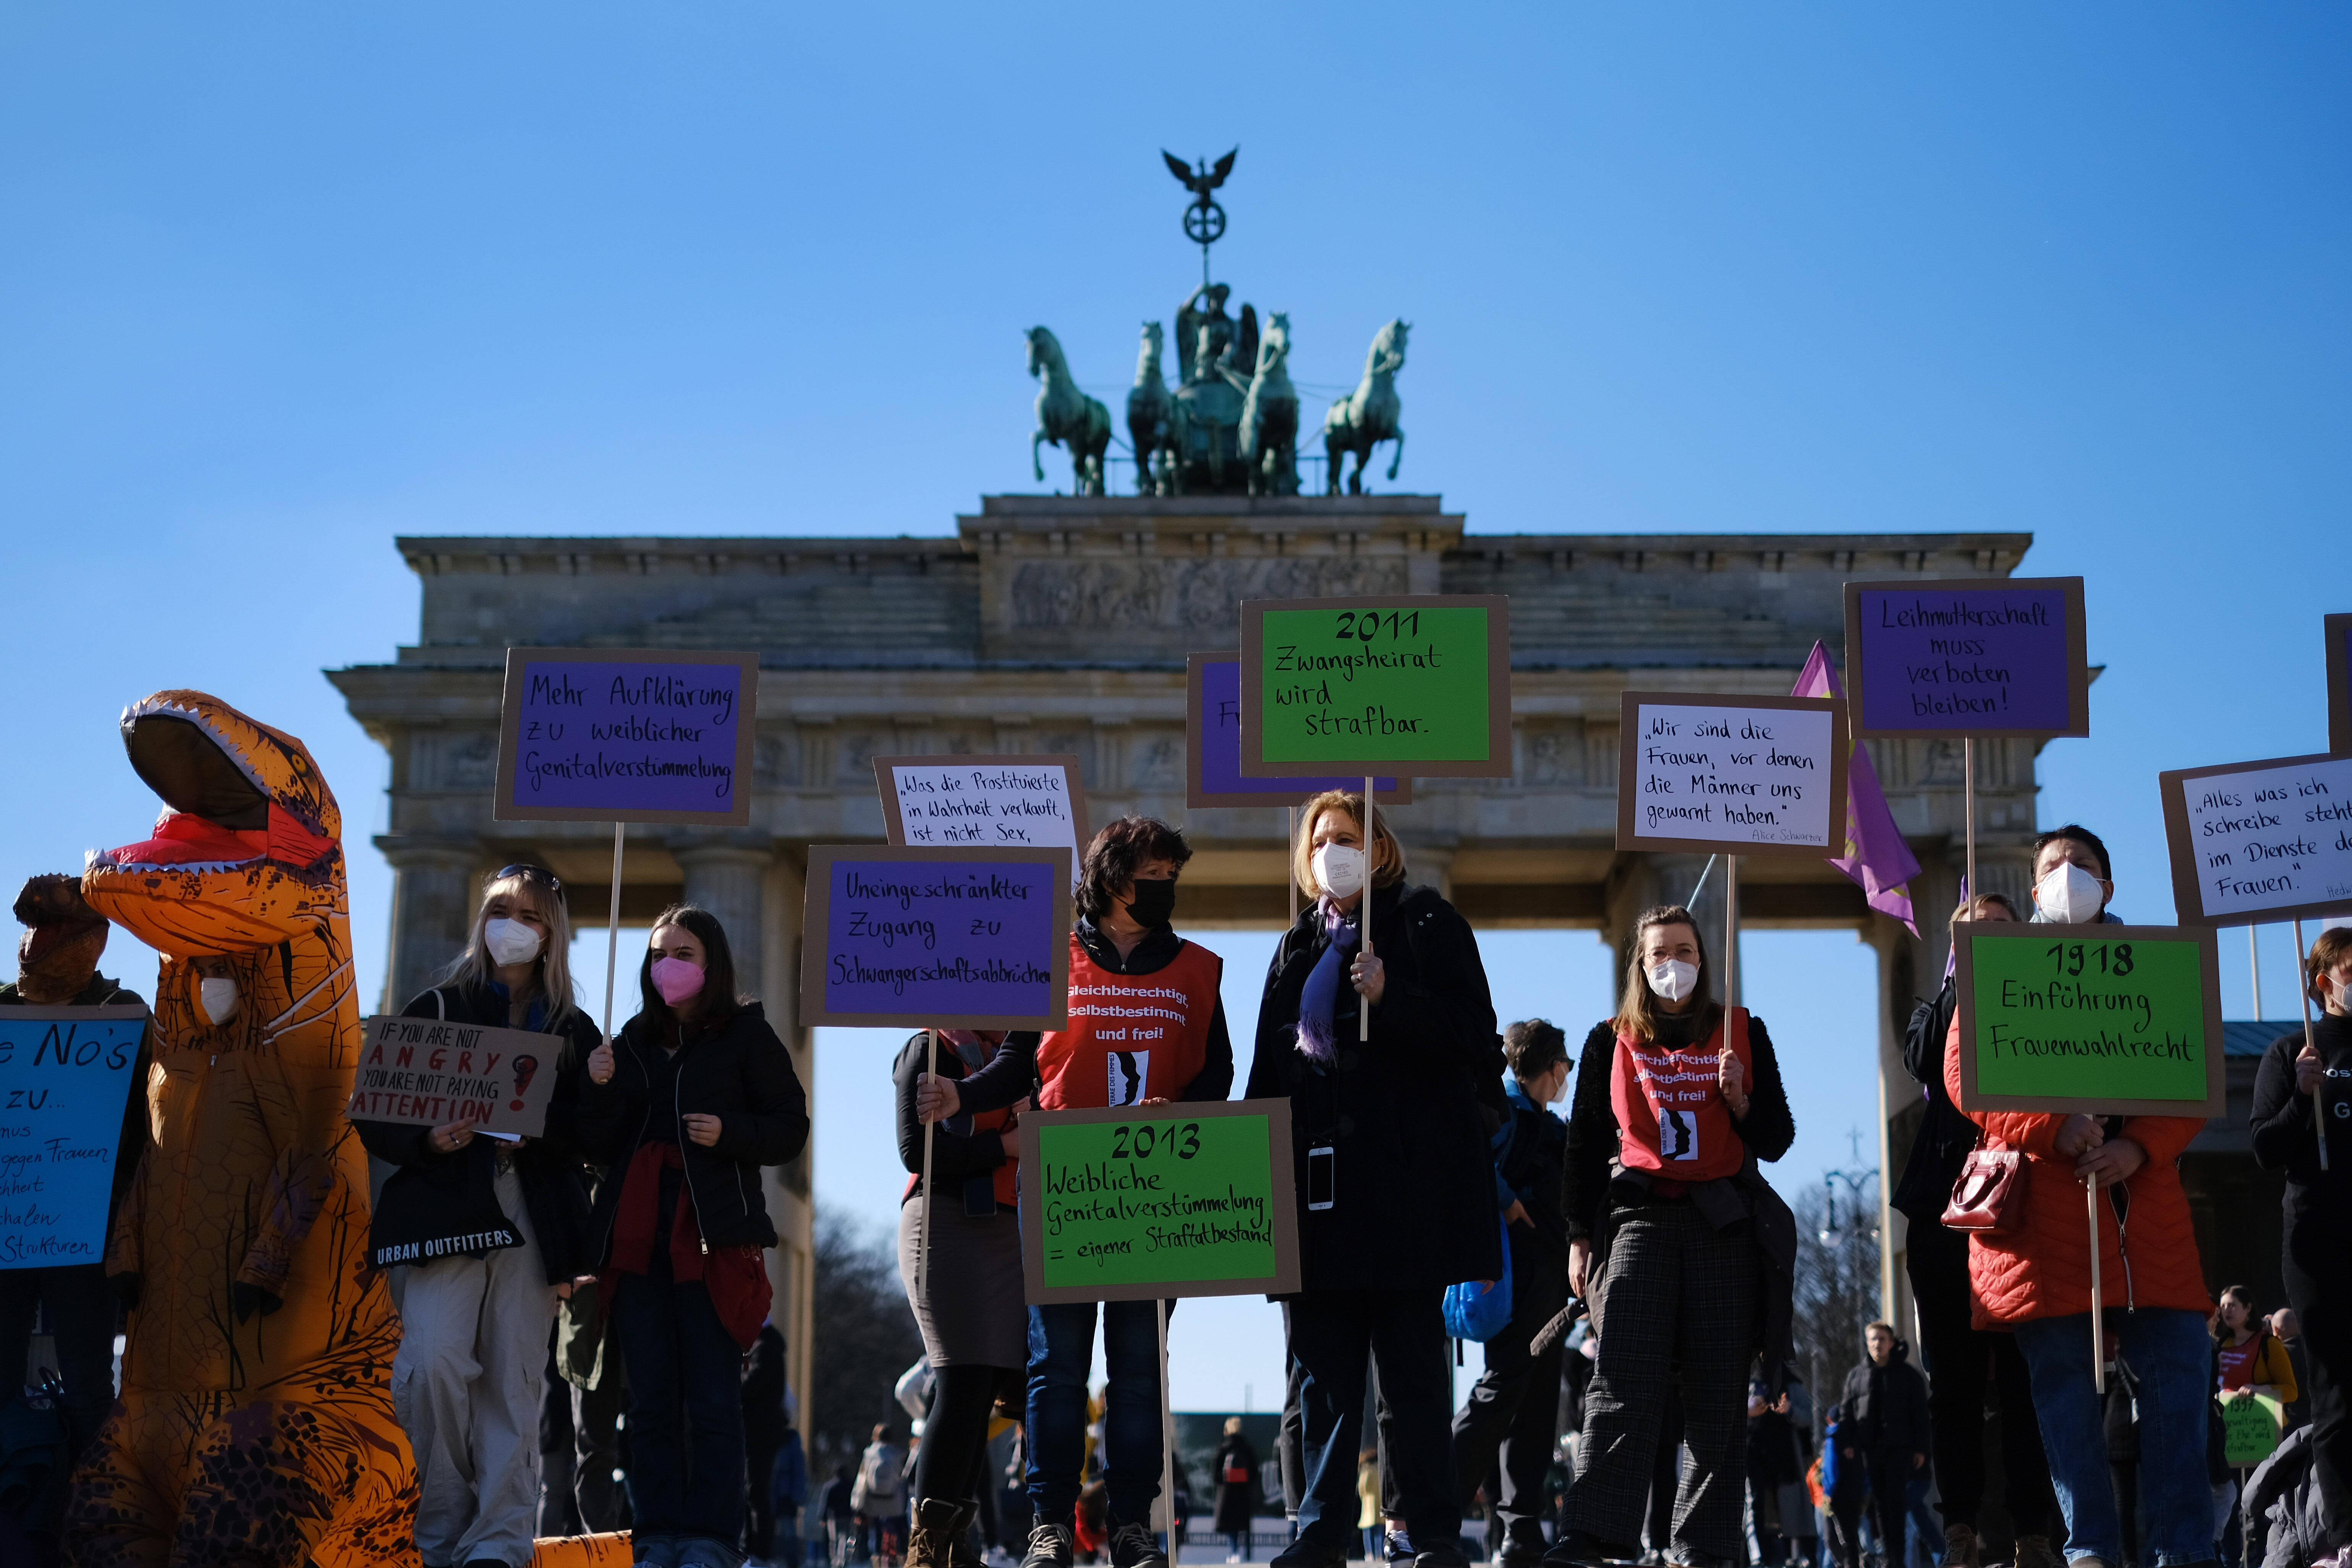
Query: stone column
792, 1267
728, 877
432, 908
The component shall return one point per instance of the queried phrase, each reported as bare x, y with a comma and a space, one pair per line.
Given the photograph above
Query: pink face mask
677, 979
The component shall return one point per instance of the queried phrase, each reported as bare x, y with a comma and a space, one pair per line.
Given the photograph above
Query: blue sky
282, 282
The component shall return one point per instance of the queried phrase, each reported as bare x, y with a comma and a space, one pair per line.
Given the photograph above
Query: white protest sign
1747, 775
2255, 842
1017, 802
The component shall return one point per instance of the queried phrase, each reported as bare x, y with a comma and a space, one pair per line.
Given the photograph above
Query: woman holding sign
974, 1324
492, 1233
1962, 1359
1395, 1177
682, 1109
1677, 1099
1146, 1026
2035, 1280
2297, 1074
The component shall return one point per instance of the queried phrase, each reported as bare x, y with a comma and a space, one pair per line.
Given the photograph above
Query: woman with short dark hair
1677, 1099
683, 1107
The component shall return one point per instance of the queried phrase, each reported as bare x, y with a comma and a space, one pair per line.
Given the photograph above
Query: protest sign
1990, 656
2254, 842
2249, 1429
2339, 682
1414, 685
626, 735
65, 1075
1018, 800
427, 1072
1140, 1203
971, 939
1736, 774
2108, 1019
1213, 747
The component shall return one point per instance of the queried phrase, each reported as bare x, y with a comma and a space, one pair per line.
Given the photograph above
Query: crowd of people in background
586, 1344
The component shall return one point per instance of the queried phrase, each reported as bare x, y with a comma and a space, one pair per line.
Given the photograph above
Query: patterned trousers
1676, 1306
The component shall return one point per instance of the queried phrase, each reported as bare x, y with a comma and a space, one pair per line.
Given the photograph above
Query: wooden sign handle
2318, 1090
923, 1251
1364, 917
2098, 1334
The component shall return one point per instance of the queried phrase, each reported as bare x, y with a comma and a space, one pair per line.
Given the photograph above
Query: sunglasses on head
539, 874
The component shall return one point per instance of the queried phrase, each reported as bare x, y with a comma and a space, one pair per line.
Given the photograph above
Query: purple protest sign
1983, 656
923, 938
1212, 744
626, 735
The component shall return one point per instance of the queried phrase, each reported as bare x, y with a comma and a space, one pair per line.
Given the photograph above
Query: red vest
1671, 1119
1131, 1037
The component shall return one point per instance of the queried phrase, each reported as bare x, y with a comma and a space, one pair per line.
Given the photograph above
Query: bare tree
865, 1337
1837, 1286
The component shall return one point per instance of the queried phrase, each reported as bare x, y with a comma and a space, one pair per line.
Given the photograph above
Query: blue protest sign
64, 1076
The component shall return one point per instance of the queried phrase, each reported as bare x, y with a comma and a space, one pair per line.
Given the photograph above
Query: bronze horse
1369, 416
1067, 416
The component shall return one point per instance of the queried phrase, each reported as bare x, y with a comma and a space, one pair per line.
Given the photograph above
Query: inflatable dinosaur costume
256, 1426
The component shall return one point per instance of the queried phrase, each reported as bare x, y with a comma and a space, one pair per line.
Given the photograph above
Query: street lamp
1855, 1181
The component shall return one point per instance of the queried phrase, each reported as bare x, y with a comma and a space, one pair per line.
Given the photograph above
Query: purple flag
1876, 858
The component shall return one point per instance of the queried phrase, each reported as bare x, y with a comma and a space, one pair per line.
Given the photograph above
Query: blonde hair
1388, 868
475, 967
1637, 1011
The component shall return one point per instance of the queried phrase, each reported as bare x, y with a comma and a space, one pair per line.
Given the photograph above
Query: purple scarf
1321, 996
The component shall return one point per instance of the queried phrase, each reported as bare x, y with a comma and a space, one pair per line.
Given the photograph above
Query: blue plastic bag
1476, 1313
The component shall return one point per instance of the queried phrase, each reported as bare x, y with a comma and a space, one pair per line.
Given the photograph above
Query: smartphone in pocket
1319, 1163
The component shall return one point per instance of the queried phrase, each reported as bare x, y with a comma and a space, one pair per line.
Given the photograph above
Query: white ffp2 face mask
2069, 895
218, 999
1672, 979
1338, 869
510, 942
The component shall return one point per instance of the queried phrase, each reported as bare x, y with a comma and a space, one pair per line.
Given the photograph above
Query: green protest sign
2109, 1019
1137, 1202
2250, 1425
1418, 685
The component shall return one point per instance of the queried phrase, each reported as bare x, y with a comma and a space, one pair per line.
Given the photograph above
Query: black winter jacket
2285, 1131
1945, 1135
736, 1070
1414, 1174
1886, 1408
436, 1197
962, 1160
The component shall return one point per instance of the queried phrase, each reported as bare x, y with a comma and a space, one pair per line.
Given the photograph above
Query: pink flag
1876, 858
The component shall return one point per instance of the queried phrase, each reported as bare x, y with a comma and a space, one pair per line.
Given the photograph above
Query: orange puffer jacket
2043, 1270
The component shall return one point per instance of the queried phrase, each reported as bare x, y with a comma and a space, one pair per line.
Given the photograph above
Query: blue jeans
685, 1374
2170, 1351
1061, 1353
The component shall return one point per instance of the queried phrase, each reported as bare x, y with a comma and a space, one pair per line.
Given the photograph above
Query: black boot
931, 1543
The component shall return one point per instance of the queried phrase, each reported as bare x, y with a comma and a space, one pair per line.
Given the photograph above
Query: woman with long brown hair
1676, 1100
682, 1109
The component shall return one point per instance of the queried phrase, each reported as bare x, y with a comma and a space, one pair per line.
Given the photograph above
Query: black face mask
1153, 900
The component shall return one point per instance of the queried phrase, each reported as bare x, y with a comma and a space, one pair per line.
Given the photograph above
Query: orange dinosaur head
248, 851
